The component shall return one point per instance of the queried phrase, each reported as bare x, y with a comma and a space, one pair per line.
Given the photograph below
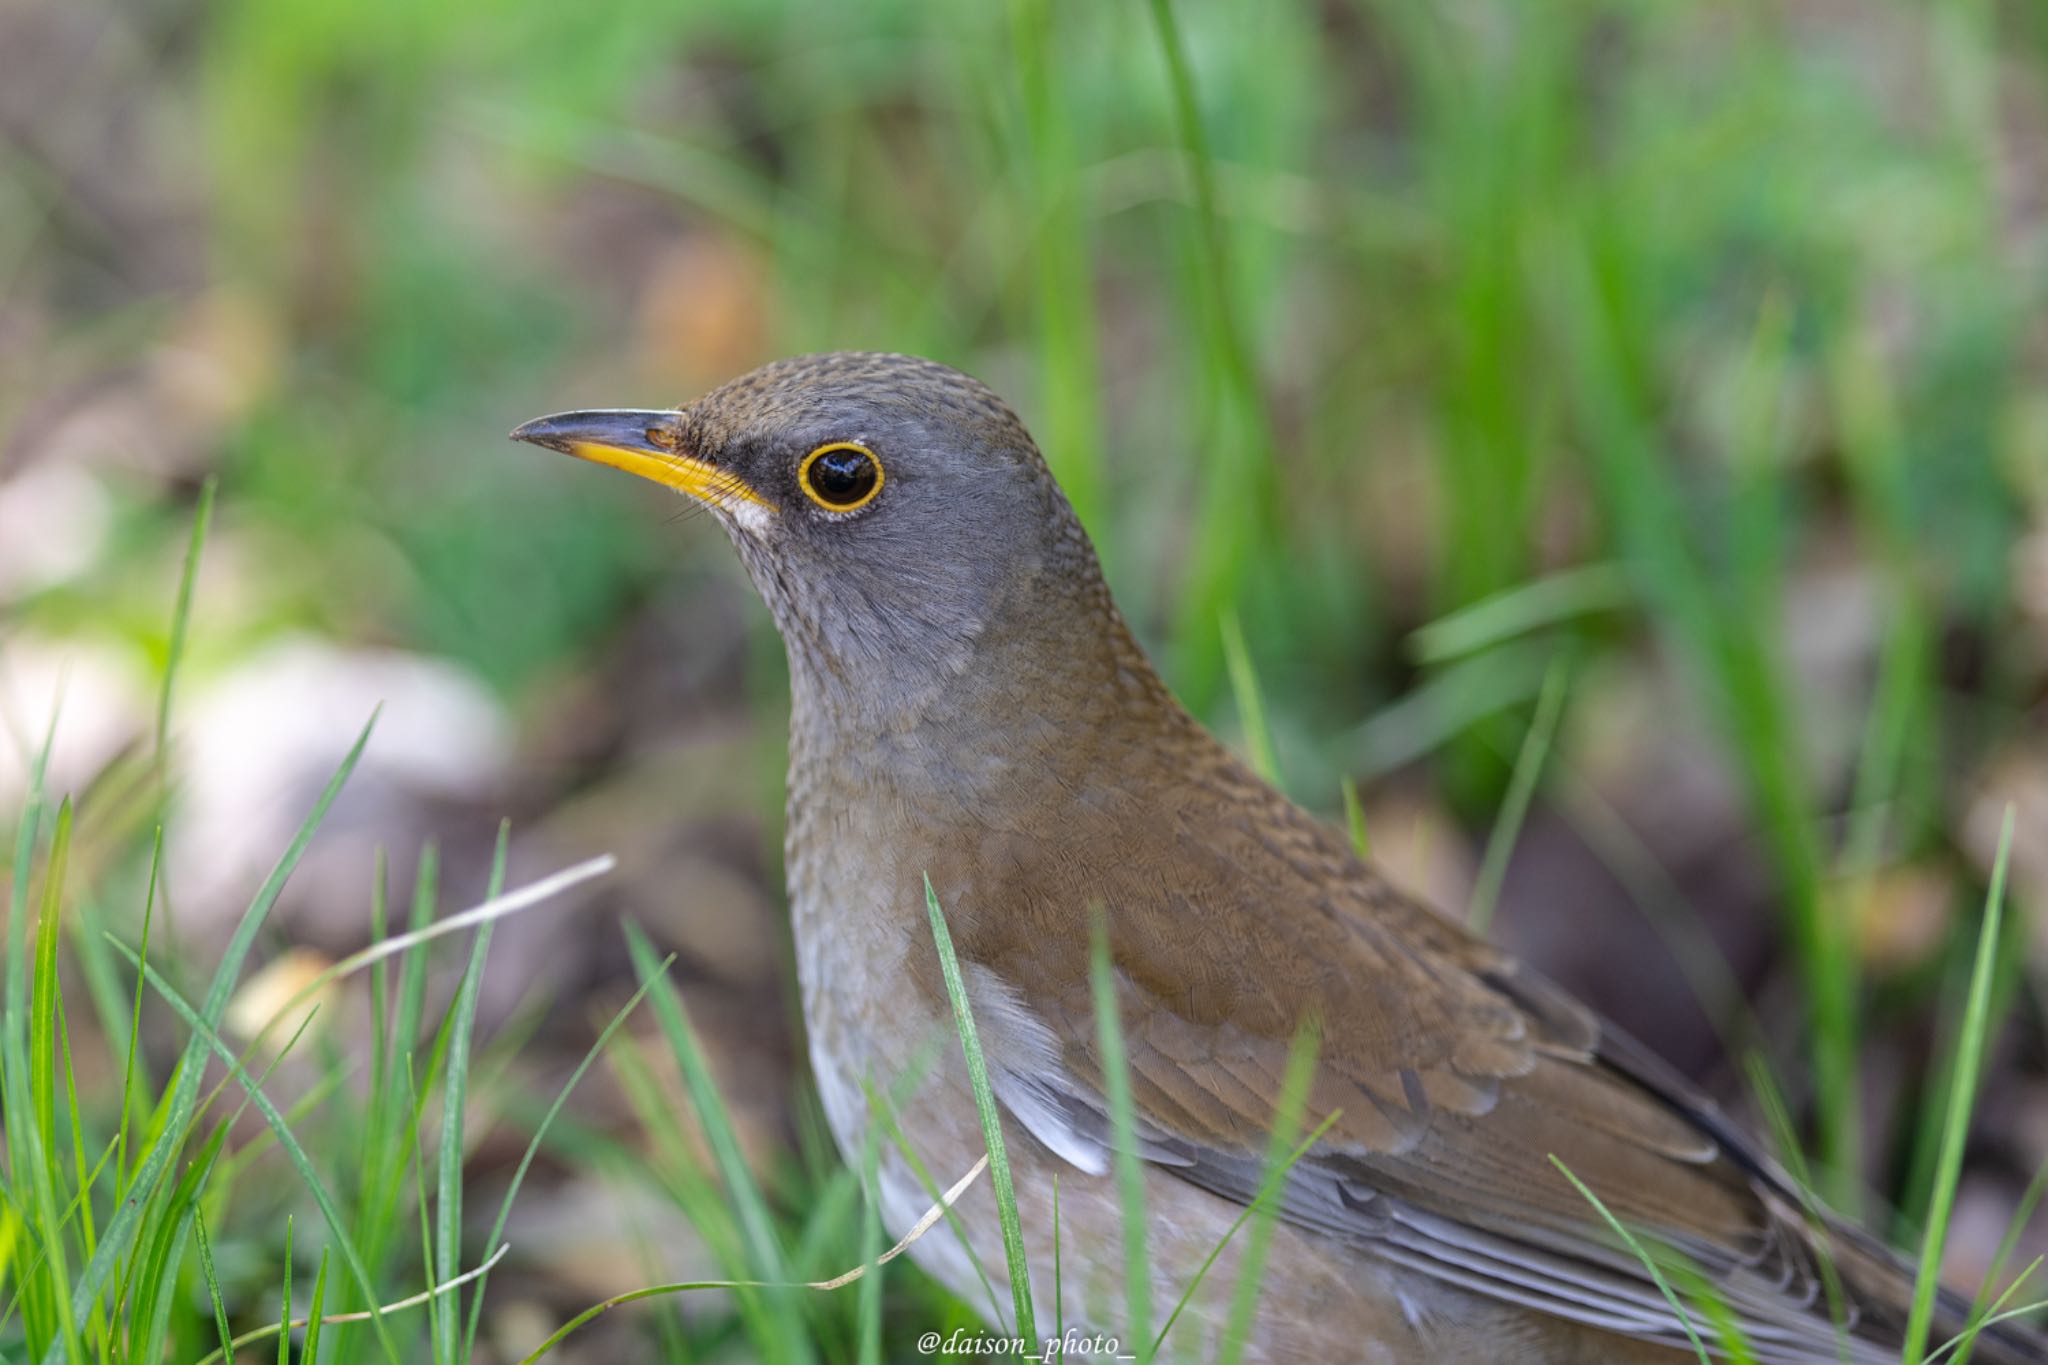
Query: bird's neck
1030, 701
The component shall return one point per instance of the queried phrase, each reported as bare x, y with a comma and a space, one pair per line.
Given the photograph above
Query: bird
972, 719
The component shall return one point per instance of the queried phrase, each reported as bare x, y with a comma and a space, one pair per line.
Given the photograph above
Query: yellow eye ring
847, 480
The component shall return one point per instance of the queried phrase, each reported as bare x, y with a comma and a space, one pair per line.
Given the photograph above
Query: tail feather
1881, 1284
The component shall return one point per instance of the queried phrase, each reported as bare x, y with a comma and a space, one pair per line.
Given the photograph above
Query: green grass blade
1453, 699
1770, 1101
316, 1313
1354, 819
1123, 1127
1026, 1321
447, 1260
48, 1037
337, 1227
1288, 1107
868, 1309
181, 615
1521, 610
1241, 460
1063, 290
764, 1248
1642, 1254
284, 1311
1731, 1342
394, 1108
1514, 807
1962, 1096
1251, 703
1270, 1188
1983, 1315
1716, 626
130, 1062
882, 1110
2022, 1214
220, 1308
1059, 1288
121, 1229
16, 1002
540, 1132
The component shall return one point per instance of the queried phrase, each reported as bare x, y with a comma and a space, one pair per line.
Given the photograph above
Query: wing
1457, 1074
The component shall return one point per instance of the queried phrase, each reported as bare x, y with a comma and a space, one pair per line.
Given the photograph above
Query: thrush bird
967, 703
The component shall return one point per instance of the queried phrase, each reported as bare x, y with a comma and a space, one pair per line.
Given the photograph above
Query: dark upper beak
640, 442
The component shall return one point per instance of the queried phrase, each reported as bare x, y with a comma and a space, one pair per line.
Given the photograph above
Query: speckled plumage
968, 704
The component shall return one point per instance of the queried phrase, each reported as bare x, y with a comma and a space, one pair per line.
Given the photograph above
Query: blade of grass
454, 1097
764, 1248
24, 861
1521, 610
1269, 1191
1241, 458
420, 1203
1717, 626
1730, 1341
1962, 1095
1456, 697
179, 1104
868, 1311
1514, 807
1982, 1316
1026, 1320
1637, 1249
220, 1308
1770, 1100
1354, 820
396, 1108
2016, 1224
1287, 1116
151, 1282
43, 1176
129, 1098
284, 1312
540, 1132
923, 1225
1063, 291
87, 1172
1123, 1127
296, 1153
315, 1319
181, 615
881, 1109
17, 1010
1059, 1288
1251, 704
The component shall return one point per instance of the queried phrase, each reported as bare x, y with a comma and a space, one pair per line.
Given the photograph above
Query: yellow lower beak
639, 442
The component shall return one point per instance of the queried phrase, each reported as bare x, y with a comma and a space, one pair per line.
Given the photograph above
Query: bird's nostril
661, 436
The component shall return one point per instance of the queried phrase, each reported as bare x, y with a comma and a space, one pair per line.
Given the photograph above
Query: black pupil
842, 476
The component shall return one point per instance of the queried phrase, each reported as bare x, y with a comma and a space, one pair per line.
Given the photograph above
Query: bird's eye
841, 476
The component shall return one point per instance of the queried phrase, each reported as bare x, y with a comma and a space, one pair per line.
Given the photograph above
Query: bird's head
893, 512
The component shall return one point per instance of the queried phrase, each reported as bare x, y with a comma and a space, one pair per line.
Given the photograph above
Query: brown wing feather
1458, 1073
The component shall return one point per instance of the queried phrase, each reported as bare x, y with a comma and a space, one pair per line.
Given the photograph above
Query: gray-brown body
968, 706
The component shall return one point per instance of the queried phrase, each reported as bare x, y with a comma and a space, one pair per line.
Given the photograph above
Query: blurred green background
1689, 355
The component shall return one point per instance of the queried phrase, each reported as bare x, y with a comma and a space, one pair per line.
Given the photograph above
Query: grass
1123, 1136
1025, 1321
54, 1182
1970, 1044
1422, 348
54, 1195
1973, 1029
1642, 1253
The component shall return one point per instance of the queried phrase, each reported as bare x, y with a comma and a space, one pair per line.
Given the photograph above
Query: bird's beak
643, 443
